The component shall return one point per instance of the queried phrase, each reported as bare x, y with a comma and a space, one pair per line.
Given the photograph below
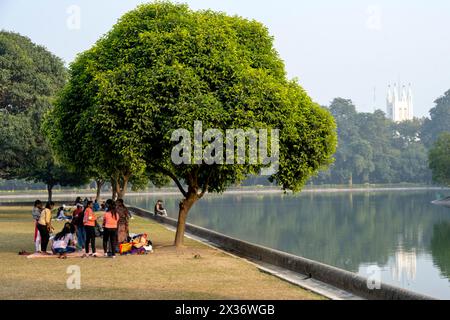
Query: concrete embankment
336, 277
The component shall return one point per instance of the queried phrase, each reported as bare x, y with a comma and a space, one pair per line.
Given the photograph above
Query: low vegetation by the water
195, 272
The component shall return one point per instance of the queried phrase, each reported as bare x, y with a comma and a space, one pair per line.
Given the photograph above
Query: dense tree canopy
16, 142
440, 159
30, 76
439, 120
374, 149
161, 68
84, 140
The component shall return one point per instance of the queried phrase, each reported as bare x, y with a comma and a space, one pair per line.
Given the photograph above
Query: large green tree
30, 76
16, 142
439, 159
161, 68
439, 120
83, 139
354, 154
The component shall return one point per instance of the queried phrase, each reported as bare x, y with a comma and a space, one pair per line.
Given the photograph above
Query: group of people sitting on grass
80, 233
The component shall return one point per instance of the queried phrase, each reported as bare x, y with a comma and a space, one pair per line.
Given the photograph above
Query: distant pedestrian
36, 213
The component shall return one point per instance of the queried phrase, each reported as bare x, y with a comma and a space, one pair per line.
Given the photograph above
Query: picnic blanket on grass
50, 255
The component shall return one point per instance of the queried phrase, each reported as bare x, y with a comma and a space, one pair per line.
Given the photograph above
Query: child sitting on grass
63, 242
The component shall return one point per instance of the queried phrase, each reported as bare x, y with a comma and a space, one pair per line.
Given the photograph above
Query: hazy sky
340, 48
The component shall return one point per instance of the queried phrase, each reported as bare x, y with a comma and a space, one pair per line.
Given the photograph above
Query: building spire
400, 102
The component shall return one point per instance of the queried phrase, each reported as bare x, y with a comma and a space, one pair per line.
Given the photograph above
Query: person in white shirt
63, 242
36, 213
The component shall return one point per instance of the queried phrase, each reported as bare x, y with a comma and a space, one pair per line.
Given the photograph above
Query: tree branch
205, 186
175, 179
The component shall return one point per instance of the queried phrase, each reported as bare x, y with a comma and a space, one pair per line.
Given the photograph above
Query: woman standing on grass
78, 222
110, 221
36, 213
45, 225
89, 220
124, 216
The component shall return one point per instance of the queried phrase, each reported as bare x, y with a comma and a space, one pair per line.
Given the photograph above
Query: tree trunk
99, 184
50, 192
350, 180
122, 187
119, 186
185, 205
114, 188
366, 178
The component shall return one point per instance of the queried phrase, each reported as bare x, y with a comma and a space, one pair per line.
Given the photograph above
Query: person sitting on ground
61, 213
159, 209
36, 213
63, 242
89, 221
110, 221
45, 225
96, 205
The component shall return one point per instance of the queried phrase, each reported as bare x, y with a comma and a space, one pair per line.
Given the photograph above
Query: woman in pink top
89, 220
110, 220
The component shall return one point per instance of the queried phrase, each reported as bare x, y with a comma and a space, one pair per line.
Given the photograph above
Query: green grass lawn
195, 272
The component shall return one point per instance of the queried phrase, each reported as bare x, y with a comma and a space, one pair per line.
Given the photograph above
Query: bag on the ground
140, 241
125, 248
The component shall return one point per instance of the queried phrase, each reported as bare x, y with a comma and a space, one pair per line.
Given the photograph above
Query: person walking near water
89, 220
124, 216
36, 213
110, 221
45, 225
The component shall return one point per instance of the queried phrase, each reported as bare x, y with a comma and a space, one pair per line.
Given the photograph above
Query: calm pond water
399, 232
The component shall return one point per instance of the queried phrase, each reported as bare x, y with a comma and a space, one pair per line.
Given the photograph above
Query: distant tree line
374, 149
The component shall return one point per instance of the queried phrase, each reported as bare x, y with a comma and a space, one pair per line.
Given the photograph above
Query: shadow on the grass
34, 289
